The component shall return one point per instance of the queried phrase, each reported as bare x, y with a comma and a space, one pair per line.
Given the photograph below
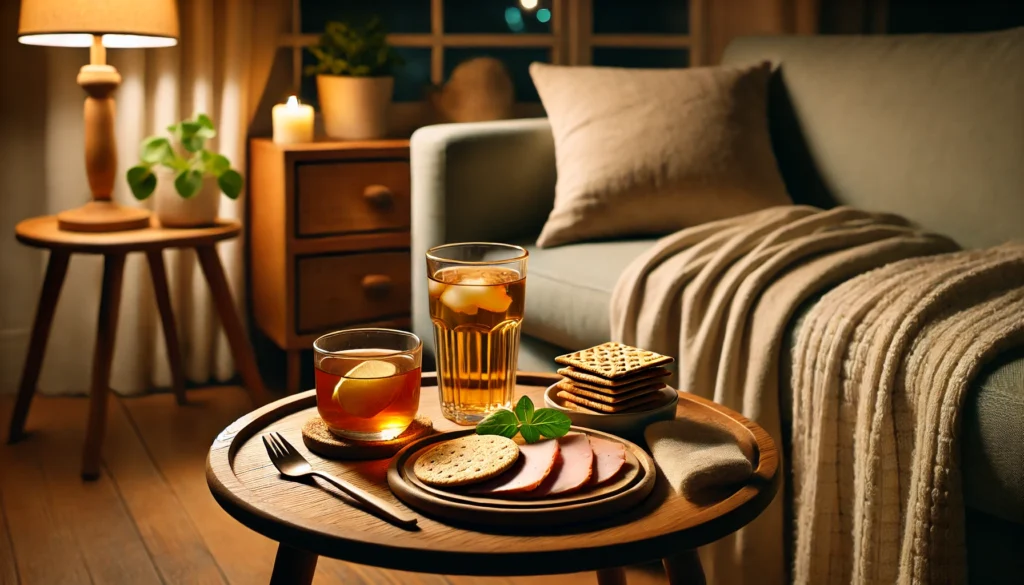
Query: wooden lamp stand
99, 81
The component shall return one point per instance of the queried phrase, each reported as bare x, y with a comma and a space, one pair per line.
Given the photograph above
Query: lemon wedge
368, 388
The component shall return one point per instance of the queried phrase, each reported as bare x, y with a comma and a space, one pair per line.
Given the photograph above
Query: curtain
219, 67
728, 19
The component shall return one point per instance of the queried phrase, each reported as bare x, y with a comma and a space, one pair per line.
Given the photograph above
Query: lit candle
293, 122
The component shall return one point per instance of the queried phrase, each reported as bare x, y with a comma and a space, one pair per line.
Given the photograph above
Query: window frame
571, 41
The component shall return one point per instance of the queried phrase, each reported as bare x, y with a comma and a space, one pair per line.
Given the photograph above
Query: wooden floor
150, 517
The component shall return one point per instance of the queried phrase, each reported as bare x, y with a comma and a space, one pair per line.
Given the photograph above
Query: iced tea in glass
477, 295
368, 382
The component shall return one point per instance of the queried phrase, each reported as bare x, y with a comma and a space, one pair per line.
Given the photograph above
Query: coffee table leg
616, 576
684, 569
56, 268
293, 566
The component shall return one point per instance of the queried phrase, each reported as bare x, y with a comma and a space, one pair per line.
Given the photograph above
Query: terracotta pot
175, 211
355, 108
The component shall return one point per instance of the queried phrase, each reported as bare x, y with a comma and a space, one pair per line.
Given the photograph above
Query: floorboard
173, 542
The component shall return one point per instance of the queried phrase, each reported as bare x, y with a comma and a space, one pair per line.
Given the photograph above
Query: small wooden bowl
629, 425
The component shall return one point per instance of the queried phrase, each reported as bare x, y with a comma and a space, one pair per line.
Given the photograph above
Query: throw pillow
649, 152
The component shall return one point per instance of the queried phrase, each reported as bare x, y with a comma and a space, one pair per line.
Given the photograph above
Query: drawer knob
379, 196
377, 284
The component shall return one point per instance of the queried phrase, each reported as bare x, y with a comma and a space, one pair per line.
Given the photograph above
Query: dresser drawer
350, 197
346, 289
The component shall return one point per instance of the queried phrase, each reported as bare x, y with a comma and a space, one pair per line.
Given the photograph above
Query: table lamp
99, 24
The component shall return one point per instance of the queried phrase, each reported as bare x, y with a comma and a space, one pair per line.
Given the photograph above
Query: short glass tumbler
368, 382
477, 295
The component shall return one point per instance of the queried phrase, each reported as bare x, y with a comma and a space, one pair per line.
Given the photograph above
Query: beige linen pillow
649, 151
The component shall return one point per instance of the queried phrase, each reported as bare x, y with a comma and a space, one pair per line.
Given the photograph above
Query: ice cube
468, 299
435, 288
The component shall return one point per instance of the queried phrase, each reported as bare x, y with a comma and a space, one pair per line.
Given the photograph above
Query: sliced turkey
610, 457
534, 465
573, 467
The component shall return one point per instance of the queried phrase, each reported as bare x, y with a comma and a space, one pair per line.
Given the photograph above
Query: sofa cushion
651, 151
569, 290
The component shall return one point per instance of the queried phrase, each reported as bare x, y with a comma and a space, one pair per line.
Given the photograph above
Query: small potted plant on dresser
186, 177
353, 79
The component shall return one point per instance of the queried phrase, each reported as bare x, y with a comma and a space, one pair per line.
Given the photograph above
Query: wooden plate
631, 489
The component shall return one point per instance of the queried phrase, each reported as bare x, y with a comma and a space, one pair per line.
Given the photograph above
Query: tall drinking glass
477, 295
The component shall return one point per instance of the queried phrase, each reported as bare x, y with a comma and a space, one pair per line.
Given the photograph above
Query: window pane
517, 61
399, 16
497, 16
411, 78
649, 16
648, 58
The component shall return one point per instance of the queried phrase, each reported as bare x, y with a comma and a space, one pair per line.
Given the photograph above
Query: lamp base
103, 216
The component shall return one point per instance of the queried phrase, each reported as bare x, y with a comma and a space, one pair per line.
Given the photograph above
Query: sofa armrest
484, 181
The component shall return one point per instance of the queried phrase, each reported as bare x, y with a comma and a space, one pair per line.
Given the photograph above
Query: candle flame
293, 102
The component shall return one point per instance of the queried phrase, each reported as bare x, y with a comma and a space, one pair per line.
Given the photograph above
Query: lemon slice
368, 388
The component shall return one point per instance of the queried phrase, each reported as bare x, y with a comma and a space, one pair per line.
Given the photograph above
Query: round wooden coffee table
309, 520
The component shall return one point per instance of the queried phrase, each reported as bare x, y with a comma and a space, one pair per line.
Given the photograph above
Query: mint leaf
502, 422
550, 423
524, 411
529, 432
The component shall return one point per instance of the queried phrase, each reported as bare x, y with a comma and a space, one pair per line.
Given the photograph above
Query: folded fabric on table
696, 456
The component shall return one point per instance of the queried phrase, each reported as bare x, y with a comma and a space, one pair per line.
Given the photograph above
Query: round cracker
466, 460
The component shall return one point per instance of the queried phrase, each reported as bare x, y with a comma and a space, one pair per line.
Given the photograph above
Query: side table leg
241, 351
615, 576
103, 355
293, 566
158, 272
56, 269
684, 569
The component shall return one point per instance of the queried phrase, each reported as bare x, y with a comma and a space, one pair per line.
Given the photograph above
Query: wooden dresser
329, 240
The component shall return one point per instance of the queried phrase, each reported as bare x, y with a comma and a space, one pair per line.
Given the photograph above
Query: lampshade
122, 23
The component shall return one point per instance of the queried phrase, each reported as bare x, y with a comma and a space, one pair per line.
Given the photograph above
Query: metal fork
292, 464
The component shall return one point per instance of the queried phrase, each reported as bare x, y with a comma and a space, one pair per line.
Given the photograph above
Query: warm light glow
543, 15
110, 41
293, 103
528, 4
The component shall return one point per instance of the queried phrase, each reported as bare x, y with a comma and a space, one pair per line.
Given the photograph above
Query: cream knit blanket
719, 297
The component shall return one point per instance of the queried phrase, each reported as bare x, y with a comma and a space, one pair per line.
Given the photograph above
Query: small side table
43, 232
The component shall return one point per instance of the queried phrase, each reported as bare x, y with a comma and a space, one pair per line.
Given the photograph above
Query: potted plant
353, 79
186, 177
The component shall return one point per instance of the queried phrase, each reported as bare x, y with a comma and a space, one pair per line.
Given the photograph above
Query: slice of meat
573, 468
534, 465
610, 458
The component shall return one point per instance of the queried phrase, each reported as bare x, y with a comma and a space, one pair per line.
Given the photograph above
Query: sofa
929, 126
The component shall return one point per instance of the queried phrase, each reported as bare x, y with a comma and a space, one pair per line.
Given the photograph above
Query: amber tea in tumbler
477, 294
368, 382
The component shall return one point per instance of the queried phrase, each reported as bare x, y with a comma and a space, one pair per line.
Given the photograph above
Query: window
433, 36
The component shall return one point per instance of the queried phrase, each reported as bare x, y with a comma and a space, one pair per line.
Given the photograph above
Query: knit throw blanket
879, 373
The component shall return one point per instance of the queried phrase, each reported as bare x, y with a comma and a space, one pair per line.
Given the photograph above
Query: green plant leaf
550, 423
502, 422
188, 183
142, 181
156, 150
230, 183
530, 433
524, 410
204, 121
213, 163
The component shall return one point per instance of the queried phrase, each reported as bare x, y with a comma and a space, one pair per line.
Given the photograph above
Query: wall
22, 146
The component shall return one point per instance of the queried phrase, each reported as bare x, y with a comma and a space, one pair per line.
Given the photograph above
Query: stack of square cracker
612, 378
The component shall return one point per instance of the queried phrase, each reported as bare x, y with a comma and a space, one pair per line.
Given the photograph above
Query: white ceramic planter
355, 108
174, 211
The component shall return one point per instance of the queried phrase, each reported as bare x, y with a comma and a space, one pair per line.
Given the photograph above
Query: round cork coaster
321, 441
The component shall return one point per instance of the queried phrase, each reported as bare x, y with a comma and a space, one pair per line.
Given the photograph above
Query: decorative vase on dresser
329, 240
